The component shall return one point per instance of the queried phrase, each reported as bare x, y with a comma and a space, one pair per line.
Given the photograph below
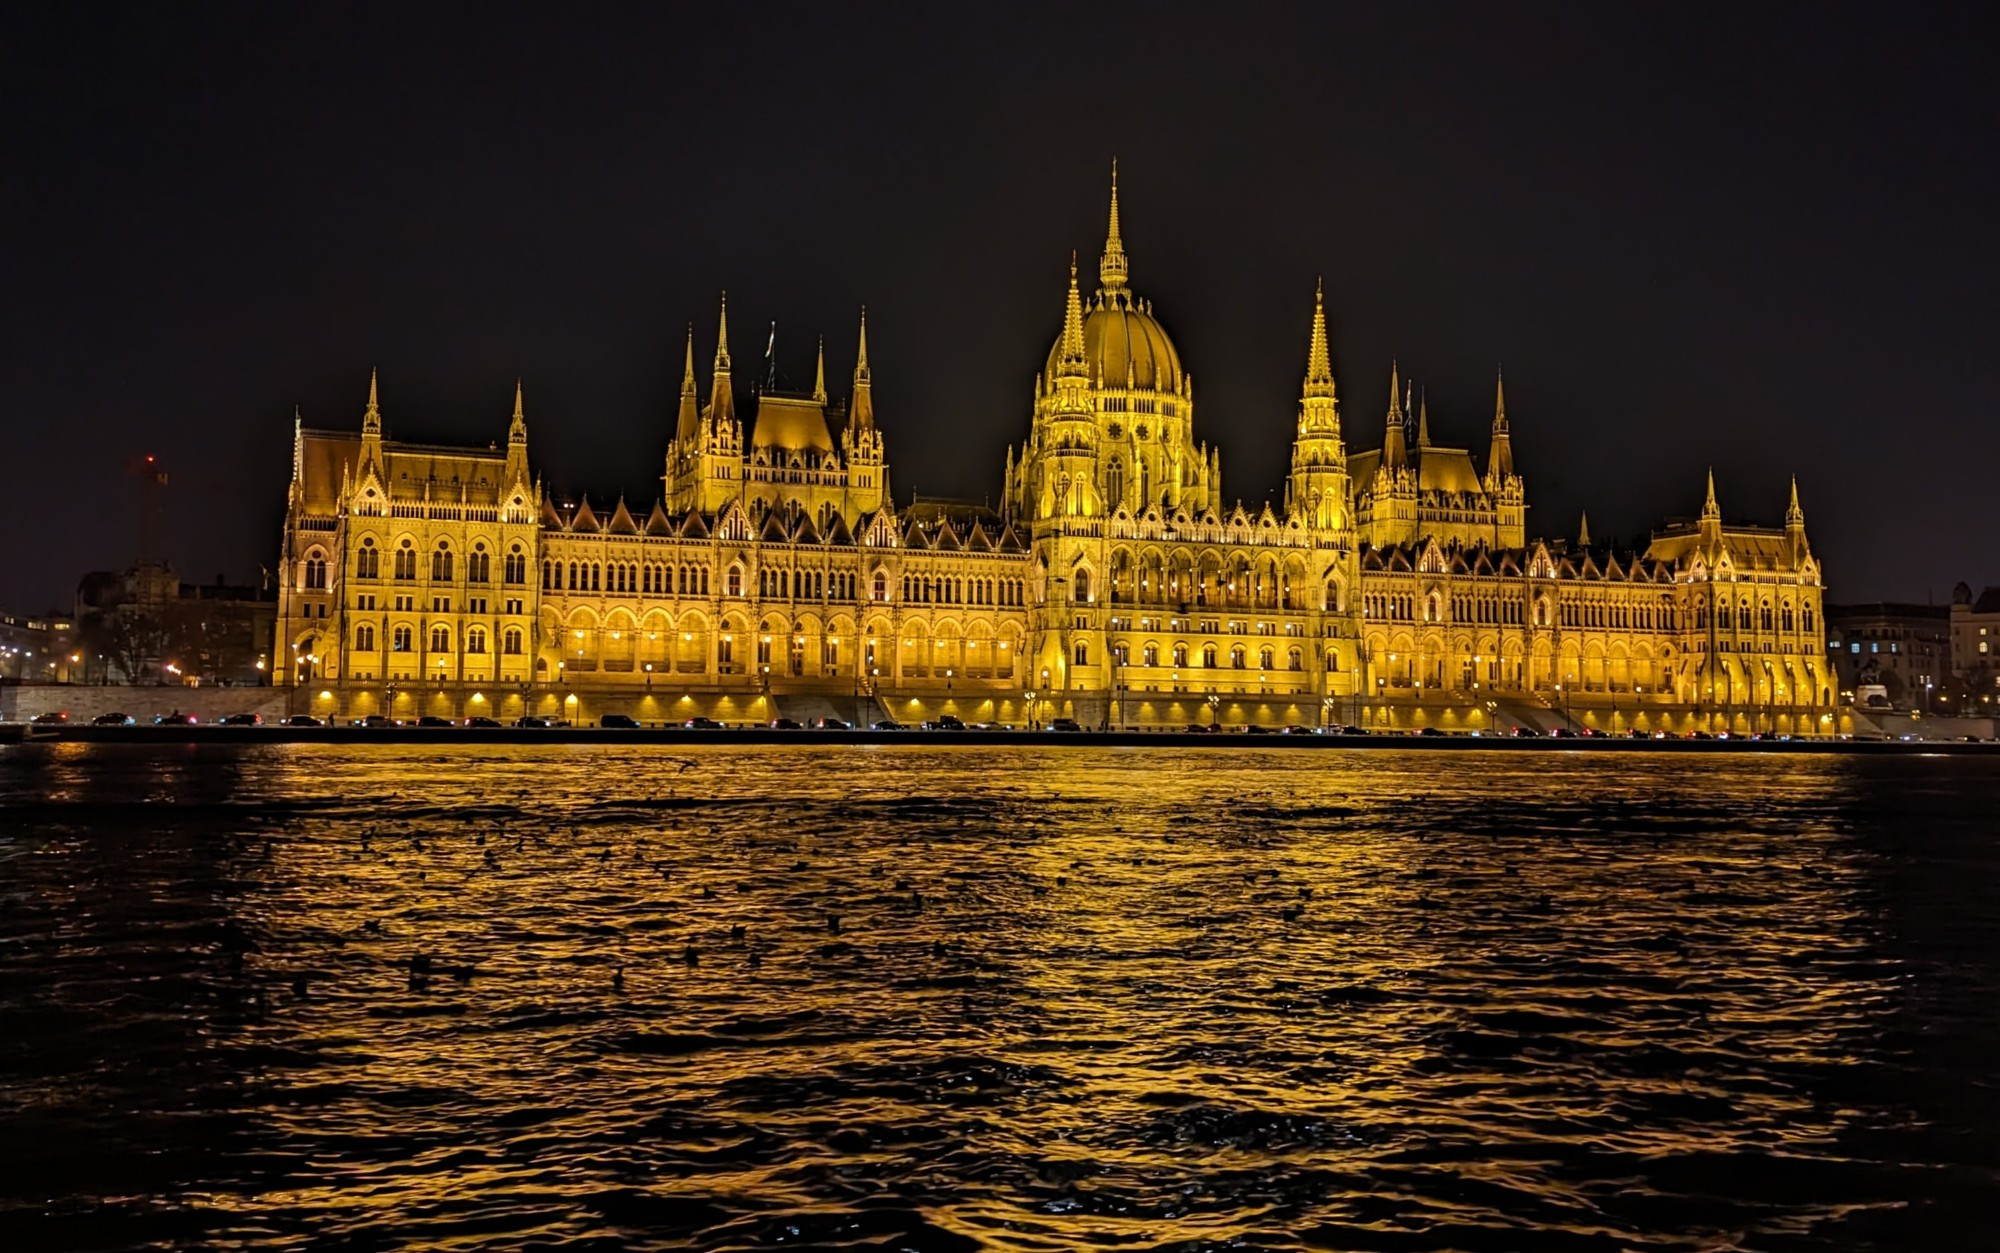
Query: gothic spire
687, 424
1423, 419
722, 395
861, 411
1075, 359
1319, 360
819, 374
371, 419
1393, 454
1113, 270
1710, 511
517, 430
1583, 532
1795, 516
1500, 455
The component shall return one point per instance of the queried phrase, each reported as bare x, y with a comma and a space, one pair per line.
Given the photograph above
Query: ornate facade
775, 576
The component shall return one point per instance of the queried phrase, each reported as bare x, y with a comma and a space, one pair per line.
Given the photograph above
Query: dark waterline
1028, 998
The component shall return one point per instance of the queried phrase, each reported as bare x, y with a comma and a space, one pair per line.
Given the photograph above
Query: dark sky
1762, 240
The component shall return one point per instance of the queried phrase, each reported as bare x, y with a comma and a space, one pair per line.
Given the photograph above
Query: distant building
1904, 649
147, 625
39, 648
1115, 582
1975, 648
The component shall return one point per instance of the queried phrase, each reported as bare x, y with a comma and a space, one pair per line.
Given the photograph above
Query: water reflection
943, 998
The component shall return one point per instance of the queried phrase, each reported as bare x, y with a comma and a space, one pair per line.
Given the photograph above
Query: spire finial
1583, 531
1795, 516
1424, 418
1113, 270
722, 339
1499, 400
1709, 509
1074, 356
1395, 394
721, 393
517, 400
371, 419
862, 374
819, 373
1319, 360
517, 430
687, 371
861, 410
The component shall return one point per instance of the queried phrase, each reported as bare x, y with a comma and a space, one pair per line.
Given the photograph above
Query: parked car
534, 721
112, 720
888, 724
432, 720
376, 721
944, 722
1199, 728
1700, 735
1562, 733
832, 724
1254, 729
243, 720
303, 720
1525, 733
1064, 724
53, 718
786, 724
481, 722
618, 722
1431, 731
1353, 730
702, 724
174, 719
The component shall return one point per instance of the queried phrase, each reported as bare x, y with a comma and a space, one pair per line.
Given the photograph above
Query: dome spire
1112, 270
1319, 361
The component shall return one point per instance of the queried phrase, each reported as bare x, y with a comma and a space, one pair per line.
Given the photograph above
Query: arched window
881, 586
1788, 615
441, 565
1082, 653
399, 640
406, 561
735, 583
477, 567
1083, 585
1808, 618
1295, 660
516, 568
475, 640
1236, 658
368, 562
1151, 655
440, 639
1208, 657
315, 571
1180, 655
1114, 484
364, 638
511, 642
1263, 659
1764, 615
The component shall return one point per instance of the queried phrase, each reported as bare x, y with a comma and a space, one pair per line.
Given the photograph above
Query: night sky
1764, 241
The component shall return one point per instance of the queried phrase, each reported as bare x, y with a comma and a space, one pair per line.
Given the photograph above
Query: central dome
1122, 340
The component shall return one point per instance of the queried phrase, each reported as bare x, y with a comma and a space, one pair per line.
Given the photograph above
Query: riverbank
677, 736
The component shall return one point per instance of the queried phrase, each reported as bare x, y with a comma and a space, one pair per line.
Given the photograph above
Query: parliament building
1393, 586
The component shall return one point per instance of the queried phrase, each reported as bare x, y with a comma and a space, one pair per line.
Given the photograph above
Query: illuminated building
1392, 586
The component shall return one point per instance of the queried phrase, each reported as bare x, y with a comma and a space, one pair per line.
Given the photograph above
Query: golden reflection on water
965, 997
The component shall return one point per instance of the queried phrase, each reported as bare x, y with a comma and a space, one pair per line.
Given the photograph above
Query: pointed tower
819, 374
1711, 513
371, 418
860, 442
372, 465
1394, 454
1066, 482
1509, 494
1113, 270
1583, 531
517, 443
722, 394
1795, 527
687, 424
1318, 491
1424, 419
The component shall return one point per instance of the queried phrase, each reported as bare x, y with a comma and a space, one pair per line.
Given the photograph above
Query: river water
934, 998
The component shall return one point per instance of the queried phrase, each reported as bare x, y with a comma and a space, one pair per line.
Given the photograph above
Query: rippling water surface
358, 997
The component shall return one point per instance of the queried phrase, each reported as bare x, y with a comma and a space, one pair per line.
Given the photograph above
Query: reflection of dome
1119, 332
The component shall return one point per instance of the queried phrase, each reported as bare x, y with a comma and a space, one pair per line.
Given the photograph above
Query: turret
1711, 513
517, 442
1113, 270
1500, 456
1069, 465
1318, 488
1394, 454
687, 424
722, 394
861, 412
1795, 526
